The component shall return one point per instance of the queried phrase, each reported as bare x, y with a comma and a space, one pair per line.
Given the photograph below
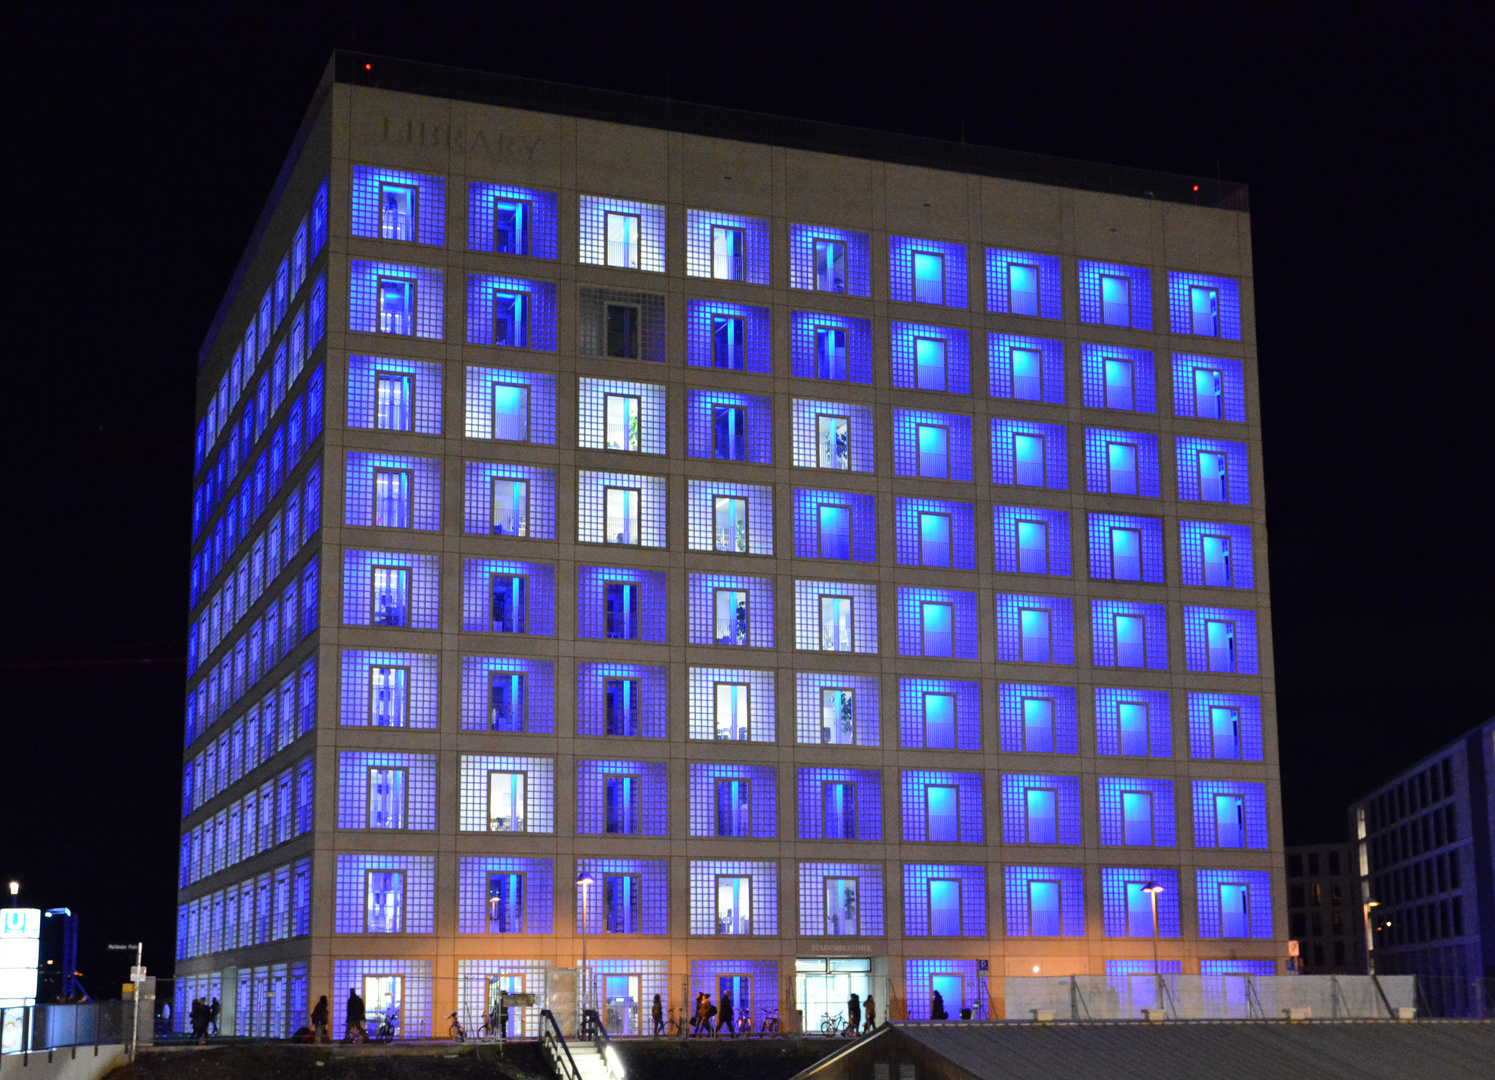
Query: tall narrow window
1121, 468
833, 444
506, 701
621, 801
396, 306
621, 420
392, 398
734, 905
622, 240
733, 803
1230, 821
1044, 909
1131, 717
1216, 559
835, 624
510, 322
730, 617
620, 610
506, 903
620, 706
942, 812
1033, 547
934, 539
1235, 912
622, 323
1116, 301
730, 523
1033, 624
386, 798
1027, 374
838, 800
510, 602
511, 412
835, 531
392, 498
732, 713
1042, 808
1131, 641
1022, 288
510, 507
1204, 311
511, 226
1126, 554
729, 432
944, 907
937, 629
1136, 818
385, 892
389, 696
397, 209
838, 717
934, 450
929, 364
1209, 395
727, 342
830, 353
830, 266
1027, 452
841, 907
620, 515
929, 278
391, 596
1139, 919
1225, 732
621, 895
1213, 486
1220, 643
506, 802
728, 252
1119, 388
939, 721
1038, 725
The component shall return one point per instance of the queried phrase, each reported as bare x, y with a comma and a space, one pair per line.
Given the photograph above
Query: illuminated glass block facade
710, 254
382, 982
753, 985
1029, 453
835, 525
620, 508
934, 358
835, 347
617, 415
502, 596
1025, 368
406, 906
1209, 387
932, 532
1214, 718
614, 243
1128, 910
1035, 629
835, 616
836, 709
358, 797
1124, 633
1213, 470
941, 806
738, 801
1112, 377
404, 491
736, 337
839, 804
731, 610
1137, 811
1023, 283
1125, 548
944, 900
808, 260
729, 427
939, 714
395, 299
1039, 719
833, 435
1040, 809
371, 580
476, 899
599, 712
514, 313
1115, 295
931, 445
390, 204
1044, 901
1220, 640
960, 984
1121, 463
510, 405
364, 681
732, 704
605, 805
606, 610
513, 220
483, 807
1230, 813
369, 395
1134, 723
493, 506
1204, 305
1234, 903
502, 693
757, 916
646, 896
1216, 554
927, 271
1031, 540
729, 517
937, 623
620, 324
819, 913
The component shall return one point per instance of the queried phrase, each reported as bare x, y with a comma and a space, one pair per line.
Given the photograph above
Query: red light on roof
1196, 187
370, 67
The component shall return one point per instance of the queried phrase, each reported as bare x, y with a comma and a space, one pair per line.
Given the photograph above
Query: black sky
141, 141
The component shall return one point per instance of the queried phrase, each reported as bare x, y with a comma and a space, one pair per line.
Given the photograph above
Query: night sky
141, 141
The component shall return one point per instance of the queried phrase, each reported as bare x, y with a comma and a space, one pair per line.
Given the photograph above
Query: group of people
855, 1006
700, 1020
204, 1017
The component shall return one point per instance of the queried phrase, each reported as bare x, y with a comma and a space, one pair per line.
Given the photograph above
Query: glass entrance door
621, 995
822, 986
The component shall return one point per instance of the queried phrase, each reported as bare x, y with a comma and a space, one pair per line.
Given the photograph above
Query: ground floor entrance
824, 984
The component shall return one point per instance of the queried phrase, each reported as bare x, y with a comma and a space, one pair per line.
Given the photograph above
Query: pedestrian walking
854, 1013
355, 1017
726, 1017
937, 1007
870, 1008
319, 1020
657, 1014
214, 1010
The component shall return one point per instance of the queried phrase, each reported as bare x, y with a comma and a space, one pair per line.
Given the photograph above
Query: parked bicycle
454, 1030
387, 1025
744, 1022
770, 1025
832, 1025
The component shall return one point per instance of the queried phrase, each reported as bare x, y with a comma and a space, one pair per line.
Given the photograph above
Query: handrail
550, 1039
591, 1022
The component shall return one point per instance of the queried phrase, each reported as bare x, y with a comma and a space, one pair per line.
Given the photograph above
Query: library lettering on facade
642, 549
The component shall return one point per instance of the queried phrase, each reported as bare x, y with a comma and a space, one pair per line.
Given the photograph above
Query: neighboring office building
1323, 909
1426, 842
851, 564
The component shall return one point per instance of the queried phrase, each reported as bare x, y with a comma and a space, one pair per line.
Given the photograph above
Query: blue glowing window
939, 721
1216, 554
937, 622
1045, 901
830, 353
934, 450
834, 524
829, 260
620, 707
1234, 903
1022, 288
391, 596
930, 444
1030, 540
1203, 305
1133, 723
728, 247
1128, 907
397, 204
830, 266
937, 626
509, 606
1209, 387
1115, 295
620, 610
734, 337
1028, 454
508, 597
833, 435
393, 299
396, 306
1118, 376
392, 396
929, 364
1026, 369
929, 277
1122, 463
620, 797
822, 536
834, 347
1038, 727
1035, 629
1032, 547
1212, 470
1124, 548
1129, 634
511, 226
511, 220
1121, 468
927, 271
507, 701
727, 349
1040, 809
729, 432
1036, 636
935, 358
1022, 283
934, 539
1220, 640
1136, 811
393, 205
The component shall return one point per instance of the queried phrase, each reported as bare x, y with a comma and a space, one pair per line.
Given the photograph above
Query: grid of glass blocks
1035, 629
1239, 715
1120, 806
527, 511
931, 444
648, 904
635, 424
711, 802
1028, 453
819, 517
366, 684
807, 271
1025, 368
716, 898
389, 894
1239, 821
1040, 809
638, 518
730, 609
411, 498
1122, 463
653, 978
811, 703
371, 580
496, 219
1044, 901
743, 525
939, 714
488, 583
937, 623
1205, 305
1209, 387
366, 313
1116, 378
823, 346
833, 435
415, 790
1220, 640
920, 803
522, 402
931, 358
647, 815
712, 341
1120, 887
706, 423
934, 532
1115, 295
811, 797
1031, 540
828, 907
1126, 633
835, 616
1216, 554
643, 250
482, 807
1218, 968
1201, 476
404, 984
477, 979
753, 984
386, 200
592, 692
948, 978
735, 704
641, 334
516, 313
944, 900
939, 277
485, 678
1039, 719
1136, 554
743, 257
1234, 903
652, 619
1023, 283
419, 412
1134, 723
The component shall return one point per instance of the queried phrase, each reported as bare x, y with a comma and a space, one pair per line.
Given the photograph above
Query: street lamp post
1370, 947
1152, 888
586, 881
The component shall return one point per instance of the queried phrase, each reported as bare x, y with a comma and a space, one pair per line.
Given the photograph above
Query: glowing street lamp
1152, 888
1370, 945
586, 881
15, 888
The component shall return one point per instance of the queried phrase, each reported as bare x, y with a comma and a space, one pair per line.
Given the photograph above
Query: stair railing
554, 1045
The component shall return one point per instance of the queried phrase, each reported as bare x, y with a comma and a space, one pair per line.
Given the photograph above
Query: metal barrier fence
1211, 997
38, 1028
1452, 997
